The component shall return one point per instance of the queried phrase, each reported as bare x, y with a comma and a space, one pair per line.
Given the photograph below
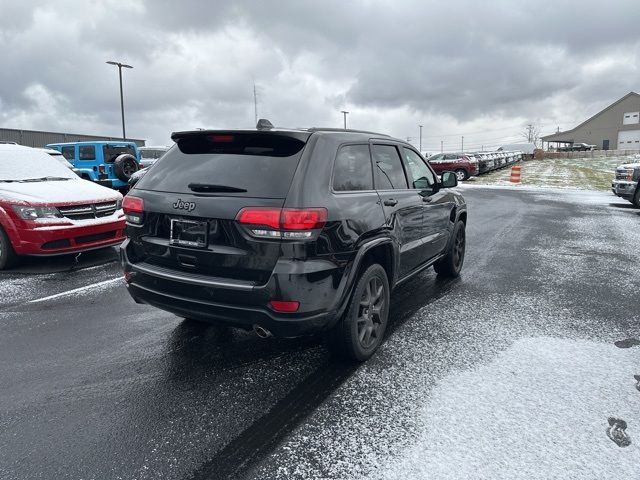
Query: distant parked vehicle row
467, 164
149, 155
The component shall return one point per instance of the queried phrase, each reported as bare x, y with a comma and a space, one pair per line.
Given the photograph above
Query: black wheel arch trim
352, 274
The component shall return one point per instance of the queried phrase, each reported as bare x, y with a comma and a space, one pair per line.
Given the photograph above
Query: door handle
391, 202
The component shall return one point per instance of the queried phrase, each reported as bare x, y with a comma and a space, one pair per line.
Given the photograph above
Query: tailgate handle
187, 261
391, 202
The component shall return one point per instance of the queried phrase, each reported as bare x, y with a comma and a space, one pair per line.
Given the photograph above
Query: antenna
255, 103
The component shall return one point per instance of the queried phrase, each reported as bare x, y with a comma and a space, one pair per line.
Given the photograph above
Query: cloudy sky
482, 69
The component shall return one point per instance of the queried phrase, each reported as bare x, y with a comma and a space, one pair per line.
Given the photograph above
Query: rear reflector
283, 306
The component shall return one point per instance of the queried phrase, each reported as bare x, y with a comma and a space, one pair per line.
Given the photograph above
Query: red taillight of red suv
287, 223
133, 209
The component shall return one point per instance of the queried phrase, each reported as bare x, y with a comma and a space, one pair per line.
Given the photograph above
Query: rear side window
87, 152
262, 164
352, 169
388, 168
68, 153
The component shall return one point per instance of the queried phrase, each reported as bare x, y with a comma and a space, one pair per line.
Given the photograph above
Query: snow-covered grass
583, 173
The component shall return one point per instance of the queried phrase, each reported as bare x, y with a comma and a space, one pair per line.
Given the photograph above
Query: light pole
120, 67
344, 113
420, 138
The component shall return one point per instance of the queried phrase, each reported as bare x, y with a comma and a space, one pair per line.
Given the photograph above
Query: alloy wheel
370, 311
458, 249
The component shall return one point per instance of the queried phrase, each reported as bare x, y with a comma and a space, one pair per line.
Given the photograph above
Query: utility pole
255, 103
530, 133
420, 138
462, 143
441, 146
344, 113
120, 67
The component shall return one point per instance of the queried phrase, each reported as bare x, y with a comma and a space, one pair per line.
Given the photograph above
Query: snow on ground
538, 410
510, 377
584, 173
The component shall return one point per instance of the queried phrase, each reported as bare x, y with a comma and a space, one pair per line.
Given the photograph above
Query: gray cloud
456, 66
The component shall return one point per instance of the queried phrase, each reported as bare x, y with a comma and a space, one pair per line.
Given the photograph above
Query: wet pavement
525, 367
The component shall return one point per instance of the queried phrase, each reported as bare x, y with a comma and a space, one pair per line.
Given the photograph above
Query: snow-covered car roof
24, 163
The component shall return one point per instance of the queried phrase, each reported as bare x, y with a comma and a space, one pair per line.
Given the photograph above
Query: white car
149, 155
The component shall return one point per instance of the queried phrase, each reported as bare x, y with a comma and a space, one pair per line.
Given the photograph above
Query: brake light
267, 217
221, 138
133, 209
288, 223
284, 306
303, 219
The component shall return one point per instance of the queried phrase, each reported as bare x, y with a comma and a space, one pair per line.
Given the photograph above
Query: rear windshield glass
261, 164
111, 152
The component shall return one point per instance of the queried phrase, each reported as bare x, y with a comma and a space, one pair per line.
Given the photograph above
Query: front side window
352, 169
68, 153
421, 177
87, 152
388, 169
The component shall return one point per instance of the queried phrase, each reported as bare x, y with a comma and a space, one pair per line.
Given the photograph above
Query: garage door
629, 140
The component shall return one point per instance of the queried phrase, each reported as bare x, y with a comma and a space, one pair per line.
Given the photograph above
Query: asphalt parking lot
511, 371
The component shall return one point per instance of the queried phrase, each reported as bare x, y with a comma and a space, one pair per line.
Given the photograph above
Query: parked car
257, 229
57, 155
46, 209
626, 183
149, 155
109, 164
462, 165
137, 176
576, 147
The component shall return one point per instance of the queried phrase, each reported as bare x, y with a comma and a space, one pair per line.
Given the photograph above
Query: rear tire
461, 175
636, 198
451, 264
360, 331
8, 256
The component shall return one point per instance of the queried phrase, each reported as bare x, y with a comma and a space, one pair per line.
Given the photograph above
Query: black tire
360, 331
461, 175
124, 166
8, 256
636, 198
451, 264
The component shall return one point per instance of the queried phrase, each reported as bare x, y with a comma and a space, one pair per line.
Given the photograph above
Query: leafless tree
532, 133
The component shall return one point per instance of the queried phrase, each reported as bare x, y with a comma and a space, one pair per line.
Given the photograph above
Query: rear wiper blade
208, 187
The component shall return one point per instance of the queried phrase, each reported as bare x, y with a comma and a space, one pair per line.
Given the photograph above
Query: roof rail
348, 130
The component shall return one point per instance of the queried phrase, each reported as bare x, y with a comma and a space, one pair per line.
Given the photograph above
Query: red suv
463, 165
46, 209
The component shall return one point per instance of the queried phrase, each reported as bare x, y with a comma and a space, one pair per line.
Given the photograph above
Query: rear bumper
318, 285
624, 188
59, 240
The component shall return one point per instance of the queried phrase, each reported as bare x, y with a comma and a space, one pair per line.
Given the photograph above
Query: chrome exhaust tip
262, 332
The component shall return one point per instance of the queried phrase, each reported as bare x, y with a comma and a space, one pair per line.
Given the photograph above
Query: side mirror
449, 180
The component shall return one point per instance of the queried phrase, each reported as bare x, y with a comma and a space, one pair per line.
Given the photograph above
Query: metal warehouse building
35, 138
617, 127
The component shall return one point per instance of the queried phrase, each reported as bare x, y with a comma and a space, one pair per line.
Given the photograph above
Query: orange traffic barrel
515, 174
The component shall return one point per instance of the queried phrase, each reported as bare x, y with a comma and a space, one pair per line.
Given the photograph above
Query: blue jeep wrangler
110, 164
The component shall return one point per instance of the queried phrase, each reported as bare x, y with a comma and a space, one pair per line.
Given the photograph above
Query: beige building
617, 127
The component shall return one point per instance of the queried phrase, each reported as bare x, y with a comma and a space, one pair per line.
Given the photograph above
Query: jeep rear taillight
133, 209
287, 223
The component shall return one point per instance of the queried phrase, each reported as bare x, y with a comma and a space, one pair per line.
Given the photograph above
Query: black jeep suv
289, 232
